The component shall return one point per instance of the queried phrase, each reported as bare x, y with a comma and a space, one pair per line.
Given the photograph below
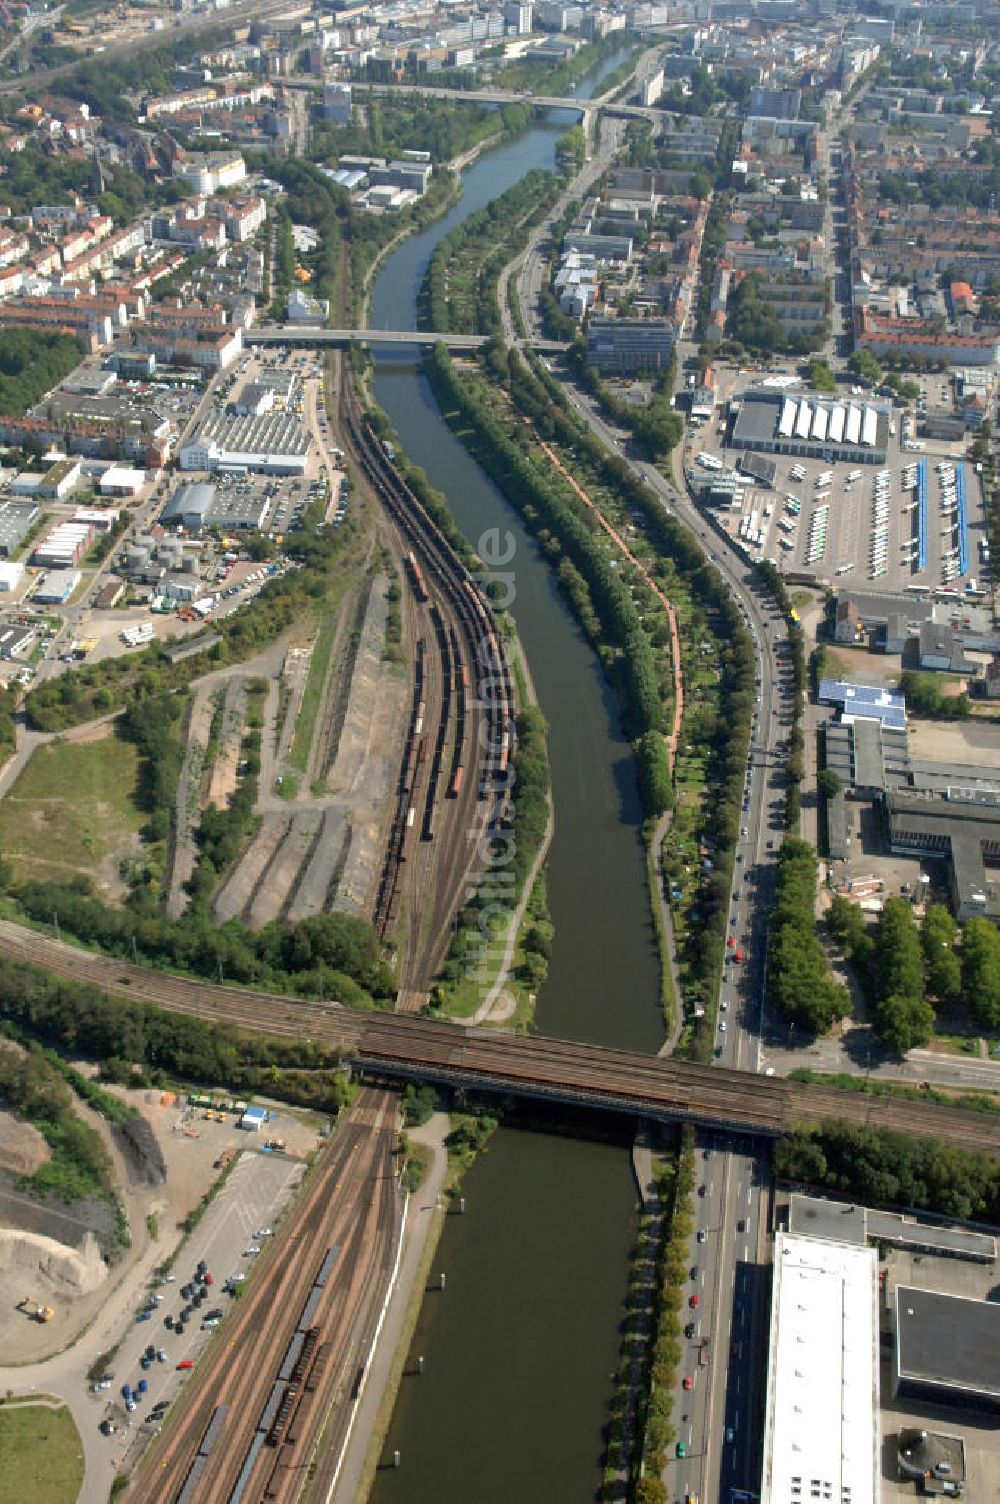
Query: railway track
461, 735
260, 1400
399, 1045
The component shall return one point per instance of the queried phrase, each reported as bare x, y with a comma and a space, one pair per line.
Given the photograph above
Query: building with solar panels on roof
829, 429
864, 702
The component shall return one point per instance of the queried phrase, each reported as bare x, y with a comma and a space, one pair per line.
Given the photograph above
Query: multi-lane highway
733, 1194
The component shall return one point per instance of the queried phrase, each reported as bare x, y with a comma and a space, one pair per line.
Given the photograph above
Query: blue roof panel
866, 701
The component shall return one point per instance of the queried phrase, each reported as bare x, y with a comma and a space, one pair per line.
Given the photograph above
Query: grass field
41, 1455
312, 695
73, 810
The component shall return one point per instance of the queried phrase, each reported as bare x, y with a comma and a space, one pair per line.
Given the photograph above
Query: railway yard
297, 1342
460, 727
380, 770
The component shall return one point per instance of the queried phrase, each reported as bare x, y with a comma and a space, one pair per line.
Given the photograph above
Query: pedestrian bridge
312, 334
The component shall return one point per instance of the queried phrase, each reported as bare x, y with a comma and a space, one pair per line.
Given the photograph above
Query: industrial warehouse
821, 1437
203, 505
945, 1349
812, 427
946, 811
274, 442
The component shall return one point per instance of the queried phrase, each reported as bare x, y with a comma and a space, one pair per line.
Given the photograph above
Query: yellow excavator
37, 1312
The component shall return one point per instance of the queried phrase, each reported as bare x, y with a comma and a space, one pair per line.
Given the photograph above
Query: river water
520, 1348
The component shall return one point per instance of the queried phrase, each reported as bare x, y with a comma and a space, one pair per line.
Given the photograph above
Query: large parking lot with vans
912, 525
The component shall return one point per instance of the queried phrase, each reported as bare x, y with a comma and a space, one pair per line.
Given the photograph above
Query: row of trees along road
798, 979
904, 970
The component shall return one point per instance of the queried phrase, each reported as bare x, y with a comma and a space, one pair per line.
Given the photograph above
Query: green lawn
72, 810
41, 1455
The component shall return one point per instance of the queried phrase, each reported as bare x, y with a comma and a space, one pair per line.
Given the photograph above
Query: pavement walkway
858, 1053
667, 920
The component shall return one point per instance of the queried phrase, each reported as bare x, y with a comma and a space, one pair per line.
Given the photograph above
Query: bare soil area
295, 850
863, 667
170, 1163
199, 725
248, 875
23, 1150
318, 879
955, 741
222, 779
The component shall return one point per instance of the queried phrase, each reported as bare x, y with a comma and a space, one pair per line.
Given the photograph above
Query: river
520, 1348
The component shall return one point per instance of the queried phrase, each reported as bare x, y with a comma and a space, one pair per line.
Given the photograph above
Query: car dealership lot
858, 524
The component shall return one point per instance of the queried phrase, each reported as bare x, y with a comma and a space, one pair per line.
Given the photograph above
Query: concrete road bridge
310, 334
582, 107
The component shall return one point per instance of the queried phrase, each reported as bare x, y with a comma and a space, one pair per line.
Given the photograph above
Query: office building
626, 346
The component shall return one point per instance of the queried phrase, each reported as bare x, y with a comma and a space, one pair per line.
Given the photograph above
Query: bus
917, 589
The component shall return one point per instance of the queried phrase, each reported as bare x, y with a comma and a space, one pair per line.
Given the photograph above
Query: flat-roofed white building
803, 421
821, 1439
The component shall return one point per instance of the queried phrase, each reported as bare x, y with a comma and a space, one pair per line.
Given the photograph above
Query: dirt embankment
51, 1268
23, 1150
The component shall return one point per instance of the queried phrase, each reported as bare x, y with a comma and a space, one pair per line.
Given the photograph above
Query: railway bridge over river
399, 1046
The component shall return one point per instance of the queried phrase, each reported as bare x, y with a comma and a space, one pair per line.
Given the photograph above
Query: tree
863, 364
820, 377
799, 984
981, 971
650, 1490
828, 783
904, 1023
937, 937
653, 771
847, 924
924, 697
898, 959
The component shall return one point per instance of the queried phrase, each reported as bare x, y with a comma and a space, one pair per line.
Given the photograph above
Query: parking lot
249, 1203
862, 523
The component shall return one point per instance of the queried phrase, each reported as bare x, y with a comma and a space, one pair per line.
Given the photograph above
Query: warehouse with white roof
821, 1437
813, 427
